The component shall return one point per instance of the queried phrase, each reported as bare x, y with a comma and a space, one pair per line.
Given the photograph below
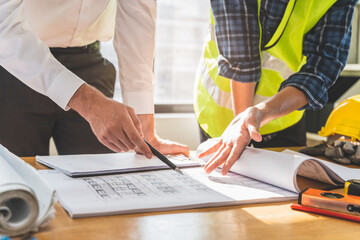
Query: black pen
164, 159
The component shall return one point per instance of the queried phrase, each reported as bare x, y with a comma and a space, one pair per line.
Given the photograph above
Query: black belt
90, 48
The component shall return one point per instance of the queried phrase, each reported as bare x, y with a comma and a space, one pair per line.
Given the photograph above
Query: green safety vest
281, 57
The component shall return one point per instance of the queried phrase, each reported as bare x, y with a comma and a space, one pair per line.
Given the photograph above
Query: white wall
179, 127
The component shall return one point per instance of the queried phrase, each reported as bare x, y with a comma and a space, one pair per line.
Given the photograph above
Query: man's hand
245, 127
164, 146
233, 141
114, 124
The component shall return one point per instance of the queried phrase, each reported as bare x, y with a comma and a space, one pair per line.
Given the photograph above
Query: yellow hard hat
344, 119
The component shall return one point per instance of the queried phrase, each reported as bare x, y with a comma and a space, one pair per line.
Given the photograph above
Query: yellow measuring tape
352, 187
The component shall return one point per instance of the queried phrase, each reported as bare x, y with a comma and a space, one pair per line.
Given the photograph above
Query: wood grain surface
256, 221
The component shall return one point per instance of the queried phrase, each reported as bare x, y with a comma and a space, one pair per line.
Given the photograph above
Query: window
180, 32
181, 29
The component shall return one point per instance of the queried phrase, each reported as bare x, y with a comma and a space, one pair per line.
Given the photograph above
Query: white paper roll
19, 209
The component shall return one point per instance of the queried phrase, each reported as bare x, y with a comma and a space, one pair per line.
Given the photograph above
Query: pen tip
178, 171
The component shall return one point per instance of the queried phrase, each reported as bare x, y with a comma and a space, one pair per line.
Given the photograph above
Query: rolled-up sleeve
237, 36
134, 44
26, 57
326, 47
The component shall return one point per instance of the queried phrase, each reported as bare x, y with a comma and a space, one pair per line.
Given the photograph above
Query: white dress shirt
28, 28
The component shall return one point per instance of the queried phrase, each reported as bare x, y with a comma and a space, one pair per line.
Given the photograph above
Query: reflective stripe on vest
282, 58
212, 94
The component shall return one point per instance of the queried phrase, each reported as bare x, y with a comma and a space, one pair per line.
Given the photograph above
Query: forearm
85, 100
148, 125
242, 95
284, 102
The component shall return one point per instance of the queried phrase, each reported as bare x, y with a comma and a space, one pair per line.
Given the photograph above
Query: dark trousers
29, 119
290, 137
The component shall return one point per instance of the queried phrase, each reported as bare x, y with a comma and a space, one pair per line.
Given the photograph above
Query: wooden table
256, 221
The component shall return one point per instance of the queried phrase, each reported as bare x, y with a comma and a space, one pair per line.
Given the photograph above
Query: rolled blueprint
19, 209
26, 201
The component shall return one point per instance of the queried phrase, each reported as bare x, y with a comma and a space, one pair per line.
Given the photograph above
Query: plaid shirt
326, 46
